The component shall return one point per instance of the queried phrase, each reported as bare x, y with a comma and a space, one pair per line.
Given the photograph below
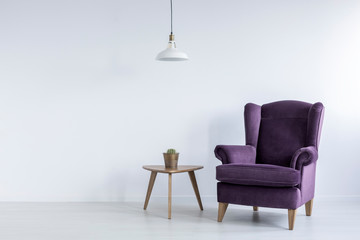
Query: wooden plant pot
171, 160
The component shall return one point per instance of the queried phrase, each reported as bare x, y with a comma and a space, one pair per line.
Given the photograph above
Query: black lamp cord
171, 10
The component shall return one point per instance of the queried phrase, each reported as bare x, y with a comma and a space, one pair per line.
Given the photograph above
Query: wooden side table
180, 169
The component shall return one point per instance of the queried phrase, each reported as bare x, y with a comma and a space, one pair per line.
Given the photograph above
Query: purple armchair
277, 166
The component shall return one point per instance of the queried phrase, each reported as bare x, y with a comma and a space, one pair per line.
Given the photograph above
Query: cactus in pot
171, 151
171, 158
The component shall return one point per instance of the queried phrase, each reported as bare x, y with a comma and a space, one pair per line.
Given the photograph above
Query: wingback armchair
276, 167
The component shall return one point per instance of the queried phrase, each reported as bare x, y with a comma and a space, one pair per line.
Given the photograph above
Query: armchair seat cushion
258, 175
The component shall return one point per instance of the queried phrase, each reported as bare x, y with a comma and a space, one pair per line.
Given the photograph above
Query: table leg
150, 187
169, 198
196, 189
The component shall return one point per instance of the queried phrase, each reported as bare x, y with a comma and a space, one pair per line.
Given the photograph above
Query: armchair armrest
304, 156
235, 153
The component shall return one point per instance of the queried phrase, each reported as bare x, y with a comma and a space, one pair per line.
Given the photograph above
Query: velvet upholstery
307, 185
258, 175
235, 154
277, 166
304, 156
280, 122
315, 120
274, 197
252, 117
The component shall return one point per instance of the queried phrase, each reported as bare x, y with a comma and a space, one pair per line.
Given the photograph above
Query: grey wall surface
83, 103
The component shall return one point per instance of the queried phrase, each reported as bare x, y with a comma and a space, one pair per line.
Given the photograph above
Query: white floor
333, 218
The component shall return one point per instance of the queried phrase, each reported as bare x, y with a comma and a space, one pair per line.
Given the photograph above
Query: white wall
83, 103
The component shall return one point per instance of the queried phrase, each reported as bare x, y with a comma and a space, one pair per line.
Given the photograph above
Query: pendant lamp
171, 53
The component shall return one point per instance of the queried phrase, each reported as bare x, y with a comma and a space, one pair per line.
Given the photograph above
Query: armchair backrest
277, 130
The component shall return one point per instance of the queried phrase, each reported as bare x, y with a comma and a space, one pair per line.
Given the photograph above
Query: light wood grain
150, 187
222, 210
255, 208
291, 216
308, 207
179, 169
196, 189
169, 197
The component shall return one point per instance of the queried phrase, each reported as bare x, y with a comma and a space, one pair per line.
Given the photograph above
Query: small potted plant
171, 158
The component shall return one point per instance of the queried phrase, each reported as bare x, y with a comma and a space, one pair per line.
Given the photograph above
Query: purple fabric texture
316, 115
252, 117
277, 166
235, 154
258, 175
282, 131
307, 185
304, 156
288, 198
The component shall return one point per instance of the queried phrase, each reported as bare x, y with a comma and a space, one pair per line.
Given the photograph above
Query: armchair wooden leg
255, 208
291, 216
222, 210
308, 207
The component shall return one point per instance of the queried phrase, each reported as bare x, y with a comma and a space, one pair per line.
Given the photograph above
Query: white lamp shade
171, 53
